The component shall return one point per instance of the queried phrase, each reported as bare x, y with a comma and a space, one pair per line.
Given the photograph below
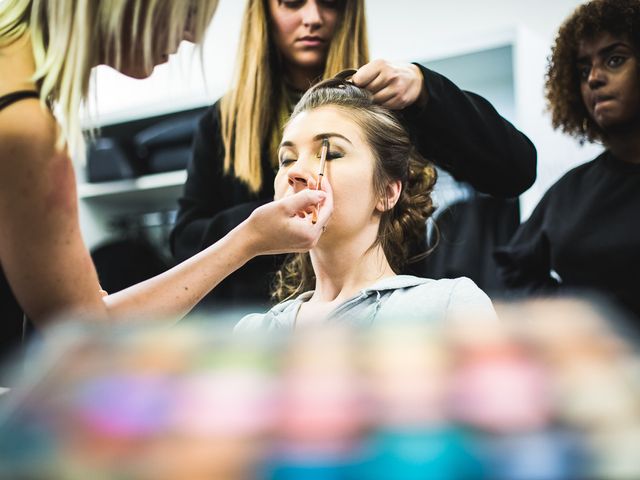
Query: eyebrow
319, 137
604, 51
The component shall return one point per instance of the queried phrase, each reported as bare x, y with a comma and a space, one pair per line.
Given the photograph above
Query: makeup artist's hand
284, 226
393, 86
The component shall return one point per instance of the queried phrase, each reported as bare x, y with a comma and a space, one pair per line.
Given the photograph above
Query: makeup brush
323, 160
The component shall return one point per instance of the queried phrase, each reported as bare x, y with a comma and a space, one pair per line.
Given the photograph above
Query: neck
343, 270
301, 78
625, 144
17, 66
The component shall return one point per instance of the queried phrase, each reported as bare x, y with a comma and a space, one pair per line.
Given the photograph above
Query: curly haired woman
381, 189
584, 235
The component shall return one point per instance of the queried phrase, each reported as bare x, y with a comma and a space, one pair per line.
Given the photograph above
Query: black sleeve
524, 264
212, 203
462, 133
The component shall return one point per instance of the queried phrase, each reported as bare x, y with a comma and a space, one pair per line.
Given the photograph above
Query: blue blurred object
422, 453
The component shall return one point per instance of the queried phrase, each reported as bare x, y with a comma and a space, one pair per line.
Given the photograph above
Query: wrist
422, 96
246, 240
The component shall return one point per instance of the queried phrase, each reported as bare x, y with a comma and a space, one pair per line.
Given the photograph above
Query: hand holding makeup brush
285, 226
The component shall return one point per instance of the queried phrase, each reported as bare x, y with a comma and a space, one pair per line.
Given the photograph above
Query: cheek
584, 94
284, 27
633, 88
331, 22
352, 194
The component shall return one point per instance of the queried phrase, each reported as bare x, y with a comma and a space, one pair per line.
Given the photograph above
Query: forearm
276, 227
465, 135
174, 293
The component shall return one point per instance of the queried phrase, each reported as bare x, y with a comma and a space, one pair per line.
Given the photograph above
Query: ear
391, 196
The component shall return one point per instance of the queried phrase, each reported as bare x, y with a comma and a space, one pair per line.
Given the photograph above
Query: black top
11, 98
583, 235
11, 316
458, 131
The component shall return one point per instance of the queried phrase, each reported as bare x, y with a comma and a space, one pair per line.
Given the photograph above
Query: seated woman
381, 192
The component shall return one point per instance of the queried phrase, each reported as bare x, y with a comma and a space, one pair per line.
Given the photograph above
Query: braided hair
403, 226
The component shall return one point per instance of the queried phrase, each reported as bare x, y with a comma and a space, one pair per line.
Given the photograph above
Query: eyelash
583, 72
295, 4
330, 156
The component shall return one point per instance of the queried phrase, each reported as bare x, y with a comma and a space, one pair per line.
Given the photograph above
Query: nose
189, 36
311, 14
596, 78
300, 176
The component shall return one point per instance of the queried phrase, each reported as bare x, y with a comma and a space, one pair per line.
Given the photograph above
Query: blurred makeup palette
551, 392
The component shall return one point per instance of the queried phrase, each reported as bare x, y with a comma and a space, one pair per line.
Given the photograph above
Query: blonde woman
287, 46
47, 49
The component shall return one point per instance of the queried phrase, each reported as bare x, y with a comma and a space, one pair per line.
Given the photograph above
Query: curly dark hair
402, 227
617, 17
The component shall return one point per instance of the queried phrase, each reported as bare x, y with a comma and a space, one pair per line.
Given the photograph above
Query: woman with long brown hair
287, 46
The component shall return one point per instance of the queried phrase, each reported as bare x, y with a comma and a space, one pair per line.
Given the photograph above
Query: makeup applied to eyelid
318, 138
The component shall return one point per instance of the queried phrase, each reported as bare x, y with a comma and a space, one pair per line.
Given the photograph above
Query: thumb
302, 200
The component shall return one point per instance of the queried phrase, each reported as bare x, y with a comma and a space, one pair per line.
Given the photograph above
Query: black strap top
14, 97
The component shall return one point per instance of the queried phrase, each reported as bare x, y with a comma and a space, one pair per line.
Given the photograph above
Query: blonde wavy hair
69, 37
256, 107
402, 228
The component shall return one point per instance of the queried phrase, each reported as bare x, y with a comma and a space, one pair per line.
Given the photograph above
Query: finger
103, 293
367, 73
386, 95
379, 83
302, 200
395, 103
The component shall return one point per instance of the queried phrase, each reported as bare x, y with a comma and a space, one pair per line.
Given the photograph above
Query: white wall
401, 30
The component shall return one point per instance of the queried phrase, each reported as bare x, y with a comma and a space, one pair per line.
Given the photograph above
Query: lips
599, 99
311, 41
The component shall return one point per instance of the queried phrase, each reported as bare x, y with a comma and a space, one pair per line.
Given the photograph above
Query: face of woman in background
349, 167
303, 30
610, 81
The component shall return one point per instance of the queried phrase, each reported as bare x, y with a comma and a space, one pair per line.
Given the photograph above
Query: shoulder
211, 117
28, 136
443, 298
576, 174
31, 164
251, 323
279, 316
28, 126
445, 287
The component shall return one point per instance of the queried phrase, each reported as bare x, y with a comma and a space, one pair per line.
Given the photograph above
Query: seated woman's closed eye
349, 165
381, 197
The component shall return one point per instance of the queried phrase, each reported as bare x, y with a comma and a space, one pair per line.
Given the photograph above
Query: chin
311, 60
138, 72
611, 125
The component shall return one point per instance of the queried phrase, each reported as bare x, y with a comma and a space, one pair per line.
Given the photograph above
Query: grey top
403, 297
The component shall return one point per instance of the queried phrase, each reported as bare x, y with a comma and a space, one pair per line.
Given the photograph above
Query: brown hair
401, 227
255, 109
617, 17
